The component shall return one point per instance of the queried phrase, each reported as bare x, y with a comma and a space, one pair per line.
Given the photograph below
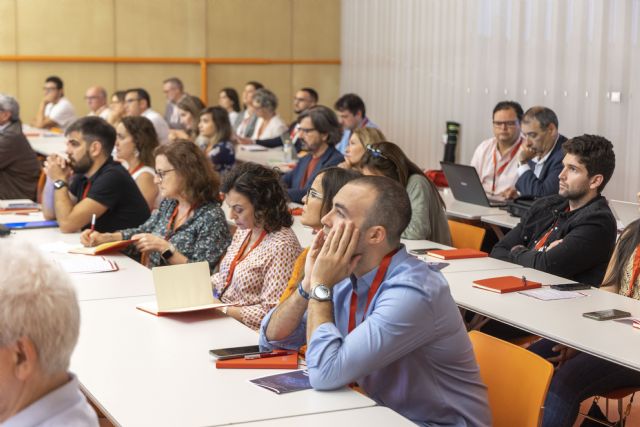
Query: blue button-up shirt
411, 353
346, 134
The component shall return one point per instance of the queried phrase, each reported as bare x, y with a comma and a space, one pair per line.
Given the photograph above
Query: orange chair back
517, 380
465, 236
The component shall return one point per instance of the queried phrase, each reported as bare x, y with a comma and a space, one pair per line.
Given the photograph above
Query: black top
588, 236
113, 187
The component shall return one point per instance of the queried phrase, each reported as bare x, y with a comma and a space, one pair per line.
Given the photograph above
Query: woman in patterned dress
259, 261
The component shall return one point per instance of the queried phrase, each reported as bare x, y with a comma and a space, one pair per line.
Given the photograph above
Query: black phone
235, 352
607, 314
570, 287
422, 251
4, 231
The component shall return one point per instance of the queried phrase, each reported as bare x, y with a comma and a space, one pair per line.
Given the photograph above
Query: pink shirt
483, 161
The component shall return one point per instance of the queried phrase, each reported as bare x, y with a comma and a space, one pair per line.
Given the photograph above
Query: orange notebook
102, 249
289, 361
504, 284
457, 253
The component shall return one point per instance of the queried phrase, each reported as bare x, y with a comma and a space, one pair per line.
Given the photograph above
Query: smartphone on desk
422, 251
570, 287
235, 352
607, 314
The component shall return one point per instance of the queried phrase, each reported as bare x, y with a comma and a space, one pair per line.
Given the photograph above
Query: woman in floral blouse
259, 261
189, 225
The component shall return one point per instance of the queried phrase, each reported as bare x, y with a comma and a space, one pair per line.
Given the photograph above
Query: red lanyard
541, 243
375, 285
240, 256
635, 272
172, 223
497, 171
136, 169
86, 190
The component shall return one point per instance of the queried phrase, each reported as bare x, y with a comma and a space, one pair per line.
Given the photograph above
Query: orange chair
466, 235
517, 380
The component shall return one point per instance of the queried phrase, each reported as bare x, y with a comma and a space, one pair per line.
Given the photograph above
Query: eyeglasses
306, 130
49, 89
314, 194
509, 124
161, 174
87, 98
376, 152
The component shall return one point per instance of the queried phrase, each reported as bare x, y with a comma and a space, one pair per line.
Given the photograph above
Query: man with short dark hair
174, 92
352, 114
370, 313
19, 165
319, 131
99, 187
496, 159
55, 111
571, 234
540, 159
137, 102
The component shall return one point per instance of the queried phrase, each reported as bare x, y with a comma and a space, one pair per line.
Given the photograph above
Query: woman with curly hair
189, 225
254, 272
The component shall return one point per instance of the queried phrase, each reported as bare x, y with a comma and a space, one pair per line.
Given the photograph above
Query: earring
137, 154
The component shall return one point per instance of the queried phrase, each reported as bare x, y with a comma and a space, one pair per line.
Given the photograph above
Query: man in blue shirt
352, 114
372, 313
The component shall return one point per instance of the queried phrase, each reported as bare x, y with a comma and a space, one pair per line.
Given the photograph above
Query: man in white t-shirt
39, 327
55, 111
96, 98
496, 159
137, 102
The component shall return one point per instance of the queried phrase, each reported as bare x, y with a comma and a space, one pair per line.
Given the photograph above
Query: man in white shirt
496, 159
137, 102
39, 326
96, 98
174, 91
55, 111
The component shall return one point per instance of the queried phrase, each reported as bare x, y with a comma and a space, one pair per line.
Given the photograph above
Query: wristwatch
59, 183
167, 254
321, 292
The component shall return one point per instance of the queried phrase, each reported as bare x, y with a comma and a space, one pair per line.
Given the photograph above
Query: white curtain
419, 63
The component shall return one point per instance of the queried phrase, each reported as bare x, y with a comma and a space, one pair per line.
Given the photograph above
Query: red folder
289, 361
505, 284
457, 253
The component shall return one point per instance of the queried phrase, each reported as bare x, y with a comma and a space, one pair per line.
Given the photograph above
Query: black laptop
466, 186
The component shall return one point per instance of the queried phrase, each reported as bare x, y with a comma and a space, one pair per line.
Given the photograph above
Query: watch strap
304, 294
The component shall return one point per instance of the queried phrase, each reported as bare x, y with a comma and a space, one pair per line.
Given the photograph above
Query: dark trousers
578, 379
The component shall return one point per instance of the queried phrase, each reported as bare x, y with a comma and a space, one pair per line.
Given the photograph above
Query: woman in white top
136, 140
228, 99
269, 124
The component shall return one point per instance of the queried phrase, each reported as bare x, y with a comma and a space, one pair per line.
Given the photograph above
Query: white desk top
503, 220
271, 157
375, 416
559, 320
147, 370
45, 142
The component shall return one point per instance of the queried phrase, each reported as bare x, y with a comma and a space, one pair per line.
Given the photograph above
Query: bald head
96, 98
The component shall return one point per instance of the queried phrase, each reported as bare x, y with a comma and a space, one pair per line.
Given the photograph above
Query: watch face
321, 293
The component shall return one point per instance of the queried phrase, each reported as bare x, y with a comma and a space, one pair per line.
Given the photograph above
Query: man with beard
320, 131
571, 234
91, 183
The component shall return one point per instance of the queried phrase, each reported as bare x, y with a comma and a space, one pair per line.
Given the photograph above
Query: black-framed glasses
161, 174
305, 130
311, 192
376, 152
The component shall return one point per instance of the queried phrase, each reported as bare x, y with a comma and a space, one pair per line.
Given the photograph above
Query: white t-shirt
274, 128
162, 129
62, 112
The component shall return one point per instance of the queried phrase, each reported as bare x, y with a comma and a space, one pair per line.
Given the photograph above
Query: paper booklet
253, 147
101, 249
181, 288
285, 383
457, 253
87, 264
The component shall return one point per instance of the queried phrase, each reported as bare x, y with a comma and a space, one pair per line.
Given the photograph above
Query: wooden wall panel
65, 27
164, 28
316, 29
9, 79
249, 28
325, 79
8, 28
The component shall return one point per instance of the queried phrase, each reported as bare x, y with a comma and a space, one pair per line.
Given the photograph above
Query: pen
266, 355
93, 222
524, 281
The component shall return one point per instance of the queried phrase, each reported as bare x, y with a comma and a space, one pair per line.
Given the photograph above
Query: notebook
466, 186
505, 284
457, 253
289, 361
101, 249
181, 288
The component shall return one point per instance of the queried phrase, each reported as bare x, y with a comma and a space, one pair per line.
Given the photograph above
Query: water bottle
287, 148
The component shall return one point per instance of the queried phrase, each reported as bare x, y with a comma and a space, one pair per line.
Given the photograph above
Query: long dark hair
333, 179
233, 96
144, 137
262, 186
629, 240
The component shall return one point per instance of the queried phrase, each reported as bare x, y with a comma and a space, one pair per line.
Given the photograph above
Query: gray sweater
428, 214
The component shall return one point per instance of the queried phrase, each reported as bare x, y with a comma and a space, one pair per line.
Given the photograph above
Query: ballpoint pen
524, 281
266, 355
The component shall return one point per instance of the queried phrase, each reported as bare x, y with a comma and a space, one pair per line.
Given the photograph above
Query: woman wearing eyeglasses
136, 139
189, 225
357, 146
259, 261
428, 217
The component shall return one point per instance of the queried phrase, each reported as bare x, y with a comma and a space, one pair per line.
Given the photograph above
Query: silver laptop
466, 186
625, 212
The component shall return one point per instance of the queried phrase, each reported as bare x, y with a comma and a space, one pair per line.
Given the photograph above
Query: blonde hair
369, 135
37, 301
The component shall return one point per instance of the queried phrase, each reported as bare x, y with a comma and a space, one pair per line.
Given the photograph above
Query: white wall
419, 63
